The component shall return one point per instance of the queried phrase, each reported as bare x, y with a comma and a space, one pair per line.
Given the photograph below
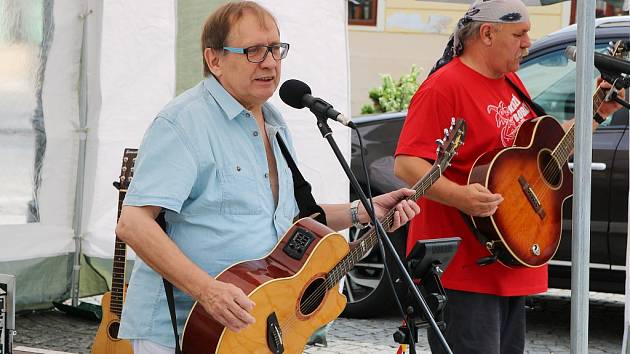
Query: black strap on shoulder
535, 106
301, 188
168, 288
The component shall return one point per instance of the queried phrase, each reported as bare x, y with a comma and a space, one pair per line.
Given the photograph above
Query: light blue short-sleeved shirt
203, 160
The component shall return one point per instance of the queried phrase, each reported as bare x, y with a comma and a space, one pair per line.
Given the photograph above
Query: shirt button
266, 175
247, 114
255, 133
238, 168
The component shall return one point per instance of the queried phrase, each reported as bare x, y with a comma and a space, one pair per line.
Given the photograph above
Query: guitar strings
553, 168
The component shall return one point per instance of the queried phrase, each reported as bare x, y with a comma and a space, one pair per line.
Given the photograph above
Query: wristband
598, 118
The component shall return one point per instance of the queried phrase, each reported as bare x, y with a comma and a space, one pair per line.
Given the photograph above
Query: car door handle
595, 166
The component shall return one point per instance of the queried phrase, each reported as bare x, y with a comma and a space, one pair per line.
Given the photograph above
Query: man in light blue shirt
212, 162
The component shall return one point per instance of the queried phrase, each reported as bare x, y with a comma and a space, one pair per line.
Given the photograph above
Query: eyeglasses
258, 53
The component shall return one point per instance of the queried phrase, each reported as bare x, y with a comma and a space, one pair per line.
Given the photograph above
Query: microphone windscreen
292, 91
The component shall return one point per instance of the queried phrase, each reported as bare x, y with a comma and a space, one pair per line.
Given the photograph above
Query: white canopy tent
130, 54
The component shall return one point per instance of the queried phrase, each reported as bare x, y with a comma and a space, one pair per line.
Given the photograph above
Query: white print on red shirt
509, 118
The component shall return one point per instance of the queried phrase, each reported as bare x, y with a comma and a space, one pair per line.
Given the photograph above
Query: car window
550, 80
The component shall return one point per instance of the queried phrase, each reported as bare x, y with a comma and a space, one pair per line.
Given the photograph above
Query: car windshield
551, 79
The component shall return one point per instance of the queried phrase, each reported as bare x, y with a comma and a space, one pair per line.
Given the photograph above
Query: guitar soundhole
549, 168
313, 296
112, 330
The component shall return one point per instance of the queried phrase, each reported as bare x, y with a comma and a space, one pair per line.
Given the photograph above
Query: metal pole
580, 246
77, 220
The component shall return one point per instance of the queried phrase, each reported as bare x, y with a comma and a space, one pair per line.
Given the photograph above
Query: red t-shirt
493, 111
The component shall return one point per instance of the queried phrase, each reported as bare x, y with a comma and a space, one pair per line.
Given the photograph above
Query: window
362, 12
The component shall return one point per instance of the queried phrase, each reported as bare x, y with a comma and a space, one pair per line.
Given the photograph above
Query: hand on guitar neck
607, 108
600, 106
398, 200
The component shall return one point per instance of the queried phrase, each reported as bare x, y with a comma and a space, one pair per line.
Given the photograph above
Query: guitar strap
480, 236
306, 204
301, 188
168, 288
535, 106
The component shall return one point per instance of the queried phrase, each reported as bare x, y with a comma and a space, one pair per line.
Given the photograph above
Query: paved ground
548, 329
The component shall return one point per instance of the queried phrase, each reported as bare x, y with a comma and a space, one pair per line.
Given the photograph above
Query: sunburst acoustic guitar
534, 179
295, 287
106, 340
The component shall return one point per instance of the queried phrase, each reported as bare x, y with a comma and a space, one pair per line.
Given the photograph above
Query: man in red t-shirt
474, 80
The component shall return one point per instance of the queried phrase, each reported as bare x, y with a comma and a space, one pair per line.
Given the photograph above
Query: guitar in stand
106, 340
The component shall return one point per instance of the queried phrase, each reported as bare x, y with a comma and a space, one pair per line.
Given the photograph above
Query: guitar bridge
274, 335
532, 197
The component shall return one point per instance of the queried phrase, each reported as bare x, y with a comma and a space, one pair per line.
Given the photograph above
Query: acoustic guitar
106, 340
295, 287
534, 179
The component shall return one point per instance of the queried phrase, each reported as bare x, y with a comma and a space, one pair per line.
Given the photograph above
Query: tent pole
580, 244
78, 200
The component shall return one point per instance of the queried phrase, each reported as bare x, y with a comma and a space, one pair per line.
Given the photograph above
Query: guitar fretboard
565, 146
118, 270
371, 238
120, 248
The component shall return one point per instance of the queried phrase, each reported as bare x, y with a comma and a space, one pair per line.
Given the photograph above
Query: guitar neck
371, 238
565, 147
118, 270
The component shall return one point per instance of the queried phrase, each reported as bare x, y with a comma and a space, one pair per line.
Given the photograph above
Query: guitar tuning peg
440, 142
452, 122
446, 132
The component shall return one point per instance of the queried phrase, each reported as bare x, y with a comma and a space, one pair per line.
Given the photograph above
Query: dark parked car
550, 79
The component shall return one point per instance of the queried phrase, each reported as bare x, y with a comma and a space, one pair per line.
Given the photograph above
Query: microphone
603, 62
297, 94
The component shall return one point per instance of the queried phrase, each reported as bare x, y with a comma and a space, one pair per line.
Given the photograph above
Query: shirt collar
226, 102
233, 108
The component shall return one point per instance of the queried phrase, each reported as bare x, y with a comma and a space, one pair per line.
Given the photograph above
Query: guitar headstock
618, 49
452, 140
126, 170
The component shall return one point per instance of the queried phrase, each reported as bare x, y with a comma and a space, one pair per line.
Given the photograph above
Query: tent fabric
134, 79
53, 234
39, 252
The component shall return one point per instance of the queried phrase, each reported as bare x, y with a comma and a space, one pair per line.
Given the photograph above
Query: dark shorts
482, 323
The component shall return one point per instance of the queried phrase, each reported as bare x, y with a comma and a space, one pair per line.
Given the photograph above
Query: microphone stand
327, 134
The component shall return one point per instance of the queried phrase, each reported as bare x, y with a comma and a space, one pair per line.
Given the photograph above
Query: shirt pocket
240, 194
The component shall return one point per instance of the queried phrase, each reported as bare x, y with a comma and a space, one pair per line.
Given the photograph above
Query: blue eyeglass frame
269, 48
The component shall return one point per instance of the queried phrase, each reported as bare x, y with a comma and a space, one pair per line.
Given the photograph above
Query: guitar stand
326, 132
